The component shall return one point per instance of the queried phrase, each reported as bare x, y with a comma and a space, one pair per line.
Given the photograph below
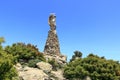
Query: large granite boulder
46, 67
32, 74
87, 78
58, 75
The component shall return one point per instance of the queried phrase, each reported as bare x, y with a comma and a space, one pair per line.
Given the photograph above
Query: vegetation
7, 71
55, 64
32, 63
97, 68
19, 52
77, 55
25, 53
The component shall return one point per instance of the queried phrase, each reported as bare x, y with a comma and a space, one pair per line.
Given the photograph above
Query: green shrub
54, 64
24, 52
7, 71
98, 68
32, 63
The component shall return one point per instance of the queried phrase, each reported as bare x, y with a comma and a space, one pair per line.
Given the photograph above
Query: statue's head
52, 17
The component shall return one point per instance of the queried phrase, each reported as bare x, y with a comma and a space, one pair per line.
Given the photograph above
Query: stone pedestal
52, 44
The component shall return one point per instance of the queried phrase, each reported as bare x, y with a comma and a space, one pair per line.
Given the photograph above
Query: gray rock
62, 60
58, 74
87, 78
18, 67
44, 66
32, 74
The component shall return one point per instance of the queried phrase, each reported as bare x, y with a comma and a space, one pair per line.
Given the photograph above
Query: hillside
22, 61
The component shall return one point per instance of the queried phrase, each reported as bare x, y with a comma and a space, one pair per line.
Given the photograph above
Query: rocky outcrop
32, 74
58, 74
28, 73
43, 72
46, 67
61, 59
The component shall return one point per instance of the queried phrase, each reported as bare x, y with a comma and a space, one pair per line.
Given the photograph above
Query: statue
52, 22
52, 43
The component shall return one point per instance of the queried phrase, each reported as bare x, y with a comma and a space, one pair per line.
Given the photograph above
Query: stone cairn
52, 43
52, 49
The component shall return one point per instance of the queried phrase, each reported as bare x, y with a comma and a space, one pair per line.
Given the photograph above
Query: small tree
77, 55
2, 40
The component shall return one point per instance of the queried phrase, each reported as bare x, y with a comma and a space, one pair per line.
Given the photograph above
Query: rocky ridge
43, 71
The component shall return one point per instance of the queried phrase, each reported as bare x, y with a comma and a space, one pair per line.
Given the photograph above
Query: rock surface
58, 74
40, 73
28, 73
61, 59
44, 66
87, 78
33, 74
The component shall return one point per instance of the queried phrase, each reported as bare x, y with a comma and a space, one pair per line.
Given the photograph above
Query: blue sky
90, 26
